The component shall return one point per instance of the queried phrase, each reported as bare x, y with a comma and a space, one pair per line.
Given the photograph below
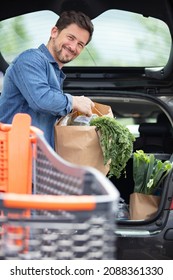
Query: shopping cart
51, 209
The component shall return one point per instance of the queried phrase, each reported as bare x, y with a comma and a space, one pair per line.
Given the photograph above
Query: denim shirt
33, 85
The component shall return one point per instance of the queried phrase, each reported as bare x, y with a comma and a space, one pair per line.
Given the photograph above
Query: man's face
68, 43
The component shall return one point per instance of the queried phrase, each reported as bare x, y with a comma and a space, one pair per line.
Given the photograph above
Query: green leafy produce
148, 172
116, 142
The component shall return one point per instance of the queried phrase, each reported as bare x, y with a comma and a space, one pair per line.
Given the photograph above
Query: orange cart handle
33, 130
48, 202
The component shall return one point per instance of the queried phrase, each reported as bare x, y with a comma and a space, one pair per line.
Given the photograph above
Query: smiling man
67, 44
34, 80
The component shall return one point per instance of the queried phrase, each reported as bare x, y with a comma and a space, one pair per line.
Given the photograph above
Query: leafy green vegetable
116, 142
140, 162
148, 172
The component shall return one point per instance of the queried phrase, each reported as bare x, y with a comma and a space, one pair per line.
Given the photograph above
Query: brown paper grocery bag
80, 144
143, 206
102, 110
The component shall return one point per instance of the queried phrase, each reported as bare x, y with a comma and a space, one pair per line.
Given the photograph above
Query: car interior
153, 134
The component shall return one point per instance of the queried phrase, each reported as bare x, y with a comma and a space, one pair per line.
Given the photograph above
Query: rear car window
120, 39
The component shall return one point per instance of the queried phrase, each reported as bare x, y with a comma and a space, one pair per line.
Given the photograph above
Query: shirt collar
45, 50
51, 59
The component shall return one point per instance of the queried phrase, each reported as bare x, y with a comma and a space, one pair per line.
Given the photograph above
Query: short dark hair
79, 18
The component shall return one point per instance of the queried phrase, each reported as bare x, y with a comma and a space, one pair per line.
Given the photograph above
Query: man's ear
54, 31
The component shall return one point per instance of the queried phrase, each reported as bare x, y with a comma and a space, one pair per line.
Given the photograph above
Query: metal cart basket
51, 209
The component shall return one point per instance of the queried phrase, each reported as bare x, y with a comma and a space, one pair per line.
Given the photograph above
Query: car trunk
140, 97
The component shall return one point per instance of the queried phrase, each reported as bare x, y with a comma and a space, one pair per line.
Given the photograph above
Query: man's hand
83, 104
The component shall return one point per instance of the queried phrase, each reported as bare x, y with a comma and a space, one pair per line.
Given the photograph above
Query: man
33, 82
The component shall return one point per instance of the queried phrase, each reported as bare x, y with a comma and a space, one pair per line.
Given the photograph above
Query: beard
63, 58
